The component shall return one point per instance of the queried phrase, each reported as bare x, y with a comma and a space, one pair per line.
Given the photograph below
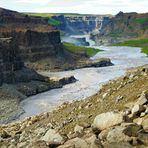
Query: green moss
142, 42
53, 22
81, 50
141, 20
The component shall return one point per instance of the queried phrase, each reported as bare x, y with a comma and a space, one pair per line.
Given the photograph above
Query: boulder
142, 136
142, 99
145, 123
38, 144
75, 143
94, 142
52, 136
117, 135
131, 129
137, 109
106, 120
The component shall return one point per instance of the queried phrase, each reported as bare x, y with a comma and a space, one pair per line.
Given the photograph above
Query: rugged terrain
115, 117
28, 44
39, 43
18, 82
121, 27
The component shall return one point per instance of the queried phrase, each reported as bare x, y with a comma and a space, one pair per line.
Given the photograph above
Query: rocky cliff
35, 38
121, 27
12, 67
78, 24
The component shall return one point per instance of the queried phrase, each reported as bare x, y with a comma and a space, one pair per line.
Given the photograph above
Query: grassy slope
81, 50
139, 42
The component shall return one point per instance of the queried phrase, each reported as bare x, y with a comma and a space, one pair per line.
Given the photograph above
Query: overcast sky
77, 6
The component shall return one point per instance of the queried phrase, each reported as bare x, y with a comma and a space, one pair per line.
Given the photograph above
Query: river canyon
89, 81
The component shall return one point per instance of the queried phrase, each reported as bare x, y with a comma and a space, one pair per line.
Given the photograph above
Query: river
89, 79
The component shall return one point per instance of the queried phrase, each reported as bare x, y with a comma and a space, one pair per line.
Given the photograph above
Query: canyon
94, 101
105, 29
28, 44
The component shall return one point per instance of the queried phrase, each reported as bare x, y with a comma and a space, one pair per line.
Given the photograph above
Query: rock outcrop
121, 27
12, 66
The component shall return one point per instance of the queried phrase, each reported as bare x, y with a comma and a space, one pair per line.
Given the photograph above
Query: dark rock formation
13, 17
12, 67
35, 45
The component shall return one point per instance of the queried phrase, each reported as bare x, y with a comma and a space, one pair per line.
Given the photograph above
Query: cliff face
12, 69
9, 60
34, 45
79, 24
122, 27
35, 38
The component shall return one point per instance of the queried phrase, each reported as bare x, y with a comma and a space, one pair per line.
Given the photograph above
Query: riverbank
77, 57
139, 42
12, 94
73, 120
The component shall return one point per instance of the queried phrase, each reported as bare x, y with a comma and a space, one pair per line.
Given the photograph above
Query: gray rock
106, 120
117, 135
142, 99
75, 143
137, 109
52, 136
78, 129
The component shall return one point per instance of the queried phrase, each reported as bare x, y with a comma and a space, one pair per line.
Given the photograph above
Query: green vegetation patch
140, 42
141, 20
51, 21
81, 50
41, 14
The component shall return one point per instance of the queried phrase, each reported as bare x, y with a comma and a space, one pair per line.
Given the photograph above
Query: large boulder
52, 136
106, 120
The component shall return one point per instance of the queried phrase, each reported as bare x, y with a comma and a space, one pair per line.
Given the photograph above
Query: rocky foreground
116, 117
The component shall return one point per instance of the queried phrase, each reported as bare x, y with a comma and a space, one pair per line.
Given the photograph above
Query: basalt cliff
121, 27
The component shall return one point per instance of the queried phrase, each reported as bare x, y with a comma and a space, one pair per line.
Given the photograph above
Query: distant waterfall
101, 22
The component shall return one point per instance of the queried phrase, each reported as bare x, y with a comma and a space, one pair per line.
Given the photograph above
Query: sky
77, 6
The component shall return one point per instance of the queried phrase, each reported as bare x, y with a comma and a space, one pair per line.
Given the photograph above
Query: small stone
119, 98
137, 109
138, 121
142, 114
78, 129
104, 95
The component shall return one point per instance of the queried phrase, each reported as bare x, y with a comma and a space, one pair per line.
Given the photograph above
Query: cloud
40, 2
77, 6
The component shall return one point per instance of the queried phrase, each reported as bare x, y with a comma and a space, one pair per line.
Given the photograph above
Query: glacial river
89, 80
